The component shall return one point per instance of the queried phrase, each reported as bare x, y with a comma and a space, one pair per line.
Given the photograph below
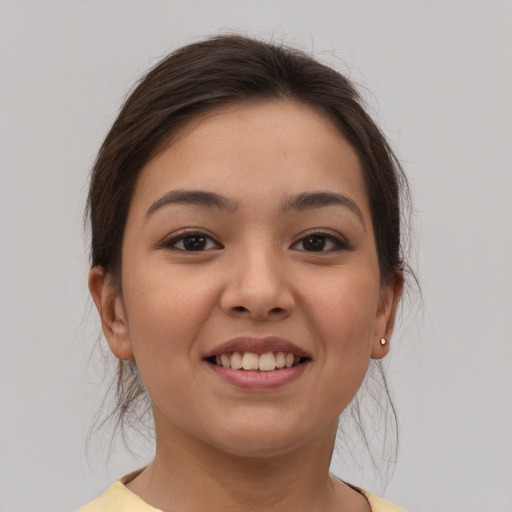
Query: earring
383, 341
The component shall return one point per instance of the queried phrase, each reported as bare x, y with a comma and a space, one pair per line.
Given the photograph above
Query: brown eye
314, 243
193, 242
320, 243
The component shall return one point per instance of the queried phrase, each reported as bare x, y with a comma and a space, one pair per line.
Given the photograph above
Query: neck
189, 475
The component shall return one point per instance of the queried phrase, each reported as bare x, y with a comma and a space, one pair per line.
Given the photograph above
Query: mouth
250, 361
258, 355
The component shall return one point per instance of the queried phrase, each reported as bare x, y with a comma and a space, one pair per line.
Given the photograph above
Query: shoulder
378, 504
117, 498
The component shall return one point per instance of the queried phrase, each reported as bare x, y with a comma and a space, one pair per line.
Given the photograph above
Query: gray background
440, 77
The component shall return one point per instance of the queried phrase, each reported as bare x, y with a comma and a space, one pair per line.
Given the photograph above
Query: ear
110, 307
388, 302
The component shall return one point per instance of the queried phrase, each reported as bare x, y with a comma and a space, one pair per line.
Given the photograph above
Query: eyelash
338, 244
171, 243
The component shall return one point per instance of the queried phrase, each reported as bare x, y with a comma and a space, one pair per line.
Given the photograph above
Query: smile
266, 362
258, 363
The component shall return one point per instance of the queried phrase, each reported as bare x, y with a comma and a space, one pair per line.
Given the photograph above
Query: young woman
246, 267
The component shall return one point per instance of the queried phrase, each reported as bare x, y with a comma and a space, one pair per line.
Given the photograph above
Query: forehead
255, 152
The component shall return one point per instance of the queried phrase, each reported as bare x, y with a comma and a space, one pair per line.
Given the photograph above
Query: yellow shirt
118, 498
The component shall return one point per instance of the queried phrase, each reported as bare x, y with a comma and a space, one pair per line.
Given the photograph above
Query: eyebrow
193, 197
299, 202
313, 200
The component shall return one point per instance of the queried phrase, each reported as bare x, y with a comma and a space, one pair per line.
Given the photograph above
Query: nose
258, 287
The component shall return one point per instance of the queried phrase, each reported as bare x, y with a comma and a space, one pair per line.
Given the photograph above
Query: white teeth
280, 358
250, 361
236, 361
267, 362
225, 361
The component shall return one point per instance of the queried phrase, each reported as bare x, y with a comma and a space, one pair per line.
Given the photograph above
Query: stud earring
383, 341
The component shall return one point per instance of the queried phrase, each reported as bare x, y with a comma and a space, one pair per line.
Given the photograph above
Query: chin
260, 440
258, 447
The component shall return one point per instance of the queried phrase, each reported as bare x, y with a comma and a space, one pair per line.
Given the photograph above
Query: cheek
344, 310
165, 311
165, 308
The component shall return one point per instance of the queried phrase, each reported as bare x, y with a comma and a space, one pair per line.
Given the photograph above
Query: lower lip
248, 379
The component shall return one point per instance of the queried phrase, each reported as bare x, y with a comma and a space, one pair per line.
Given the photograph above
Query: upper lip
257, 346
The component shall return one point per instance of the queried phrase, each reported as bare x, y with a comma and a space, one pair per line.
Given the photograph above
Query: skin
257, 276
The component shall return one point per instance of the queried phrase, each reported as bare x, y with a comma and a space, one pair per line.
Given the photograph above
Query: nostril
240, 308
276, 310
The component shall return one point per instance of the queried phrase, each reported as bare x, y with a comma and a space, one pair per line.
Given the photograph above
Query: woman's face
249, 242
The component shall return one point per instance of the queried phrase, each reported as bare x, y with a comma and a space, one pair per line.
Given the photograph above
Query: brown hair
209, 74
